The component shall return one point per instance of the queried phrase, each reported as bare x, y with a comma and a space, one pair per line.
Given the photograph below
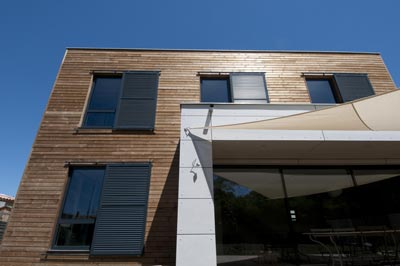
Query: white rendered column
196, 224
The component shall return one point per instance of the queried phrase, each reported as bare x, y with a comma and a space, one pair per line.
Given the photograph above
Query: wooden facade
30, 231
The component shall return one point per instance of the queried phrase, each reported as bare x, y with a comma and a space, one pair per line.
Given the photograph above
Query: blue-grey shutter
121, 218
137, 105
249, 88
2, 229
353, 86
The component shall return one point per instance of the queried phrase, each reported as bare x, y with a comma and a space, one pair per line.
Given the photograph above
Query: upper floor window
127, 101
321, 91
103, 102
215, 90
94, 219
235, 87
338, 87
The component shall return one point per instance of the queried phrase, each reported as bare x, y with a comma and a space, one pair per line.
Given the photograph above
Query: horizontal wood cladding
59, 139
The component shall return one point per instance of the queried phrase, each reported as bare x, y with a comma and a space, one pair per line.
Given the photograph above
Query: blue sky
34, 35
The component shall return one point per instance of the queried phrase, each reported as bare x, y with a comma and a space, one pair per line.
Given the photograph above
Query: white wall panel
196, 122
195, 154
195, 183
196, 250
196, 216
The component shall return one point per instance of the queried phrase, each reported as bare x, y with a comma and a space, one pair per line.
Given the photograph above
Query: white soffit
378, 113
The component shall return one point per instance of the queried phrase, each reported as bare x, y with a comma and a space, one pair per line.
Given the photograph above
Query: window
215, 90
76, 224
127, 101
304, 215
237, 88
321, 91
94, 218
103, 102
338, 88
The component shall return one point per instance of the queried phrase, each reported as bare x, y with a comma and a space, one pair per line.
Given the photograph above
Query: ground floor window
104, 210
307, 216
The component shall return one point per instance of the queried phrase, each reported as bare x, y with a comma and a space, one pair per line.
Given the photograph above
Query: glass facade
307, 216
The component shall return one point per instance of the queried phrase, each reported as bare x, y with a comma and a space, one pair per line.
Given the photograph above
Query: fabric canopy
377, 113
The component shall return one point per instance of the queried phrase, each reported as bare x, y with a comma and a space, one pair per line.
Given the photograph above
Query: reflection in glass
75, 234
83, 195
247, 223
103, 102
320, 91
307, 216
215, 90
105, 93
255, 180
313, 181
100, 119
76, 224
366, 176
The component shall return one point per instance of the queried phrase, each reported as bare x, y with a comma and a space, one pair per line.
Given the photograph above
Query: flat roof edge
218, 50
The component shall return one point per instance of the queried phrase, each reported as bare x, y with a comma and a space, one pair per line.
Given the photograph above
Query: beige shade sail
300, 182
377, 113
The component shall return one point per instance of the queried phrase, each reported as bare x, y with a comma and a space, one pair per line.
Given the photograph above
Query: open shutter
2, 229
353, 86
137, 104
248, 88
121, 218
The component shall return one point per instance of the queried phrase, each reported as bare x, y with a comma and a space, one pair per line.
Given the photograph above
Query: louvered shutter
248, 88
2, 228
138, 101
353, 86
121, 218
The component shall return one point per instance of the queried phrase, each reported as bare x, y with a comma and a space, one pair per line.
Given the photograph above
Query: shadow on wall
160, 246
203, 150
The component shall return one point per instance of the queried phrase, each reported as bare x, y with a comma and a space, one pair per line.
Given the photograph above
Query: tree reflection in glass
273, 216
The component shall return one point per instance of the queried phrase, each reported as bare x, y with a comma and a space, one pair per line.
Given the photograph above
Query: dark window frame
334, 88
92, 89
215, 77
340, 89
228, 76
72, 221
122, 75
105, 167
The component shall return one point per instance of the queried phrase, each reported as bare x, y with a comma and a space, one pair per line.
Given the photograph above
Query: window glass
76, 224
105, 93
254, 180
250, 215
298, 216
321, 91
303, 182
316, 198
100, 119
215, 90
103, 102
366, 176
75, 234
83, 195
378, 197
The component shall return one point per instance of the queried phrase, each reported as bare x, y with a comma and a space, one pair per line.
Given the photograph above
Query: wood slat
30, 230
